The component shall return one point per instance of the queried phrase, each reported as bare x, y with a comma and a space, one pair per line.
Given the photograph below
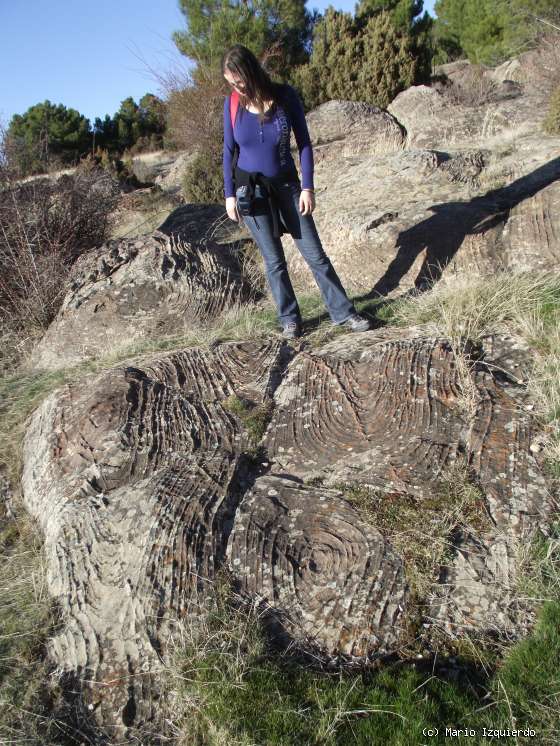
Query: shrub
195, 109
471, 87
203, 180
391, 61
120, 170
552, 122
364, 59
44, 227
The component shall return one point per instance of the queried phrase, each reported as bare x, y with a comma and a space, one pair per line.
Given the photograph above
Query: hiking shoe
356, 323
291, 330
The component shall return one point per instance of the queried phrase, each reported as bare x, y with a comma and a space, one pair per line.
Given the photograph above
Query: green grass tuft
27, 619
421, 528
230, 687
255, 417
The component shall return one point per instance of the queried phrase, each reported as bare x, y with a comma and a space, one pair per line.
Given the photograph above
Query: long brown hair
258, 87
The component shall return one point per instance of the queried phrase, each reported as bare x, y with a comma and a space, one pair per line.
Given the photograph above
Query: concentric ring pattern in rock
133, 478
139, 289
322, 574
394, 414
380, 413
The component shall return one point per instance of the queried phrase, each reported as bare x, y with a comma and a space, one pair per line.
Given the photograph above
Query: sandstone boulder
348, 128
432, 119
141, 484
331, 580
389, 414
170, 178
147, 167
137, 289
534, 69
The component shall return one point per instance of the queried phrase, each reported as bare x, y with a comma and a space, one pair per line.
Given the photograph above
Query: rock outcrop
141, 484
476, 204
432, 119
138, 288
349, 128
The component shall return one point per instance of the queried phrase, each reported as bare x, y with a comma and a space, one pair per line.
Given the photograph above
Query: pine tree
128, 123
408, 18
488, 31
403, 12
365, 59
390, 63
105, 131
47, 134
152, 114
336, 59
215, 25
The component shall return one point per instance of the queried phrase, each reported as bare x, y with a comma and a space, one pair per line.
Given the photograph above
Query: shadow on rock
441, 235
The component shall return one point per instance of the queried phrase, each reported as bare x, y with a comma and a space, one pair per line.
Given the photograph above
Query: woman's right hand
231, 208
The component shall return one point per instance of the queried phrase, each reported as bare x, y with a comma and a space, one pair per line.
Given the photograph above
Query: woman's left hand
306, 202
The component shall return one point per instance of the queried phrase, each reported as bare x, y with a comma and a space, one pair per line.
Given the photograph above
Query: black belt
270, 185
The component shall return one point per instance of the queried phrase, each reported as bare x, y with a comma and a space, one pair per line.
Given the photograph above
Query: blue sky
91, 56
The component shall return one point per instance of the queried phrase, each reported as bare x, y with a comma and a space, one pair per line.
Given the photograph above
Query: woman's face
234, 81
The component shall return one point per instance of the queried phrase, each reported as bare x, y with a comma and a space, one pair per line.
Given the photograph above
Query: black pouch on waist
245, 199
248, 203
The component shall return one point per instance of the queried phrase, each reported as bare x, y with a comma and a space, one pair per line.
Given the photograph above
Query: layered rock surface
132, 289
140, 483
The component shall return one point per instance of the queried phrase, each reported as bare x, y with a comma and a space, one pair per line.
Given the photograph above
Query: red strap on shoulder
233, 106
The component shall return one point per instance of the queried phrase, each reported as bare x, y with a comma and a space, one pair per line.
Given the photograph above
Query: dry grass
551, 124
538, 568
470, 88
463, 306
464, 310
421, 529
499, 174
27, 694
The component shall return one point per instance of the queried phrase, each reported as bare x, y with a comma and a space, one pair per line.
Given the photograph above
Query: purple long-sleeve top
266, 148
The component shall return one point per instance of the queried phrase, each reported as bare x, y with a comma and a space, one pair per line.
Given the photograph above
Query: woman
265, 115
